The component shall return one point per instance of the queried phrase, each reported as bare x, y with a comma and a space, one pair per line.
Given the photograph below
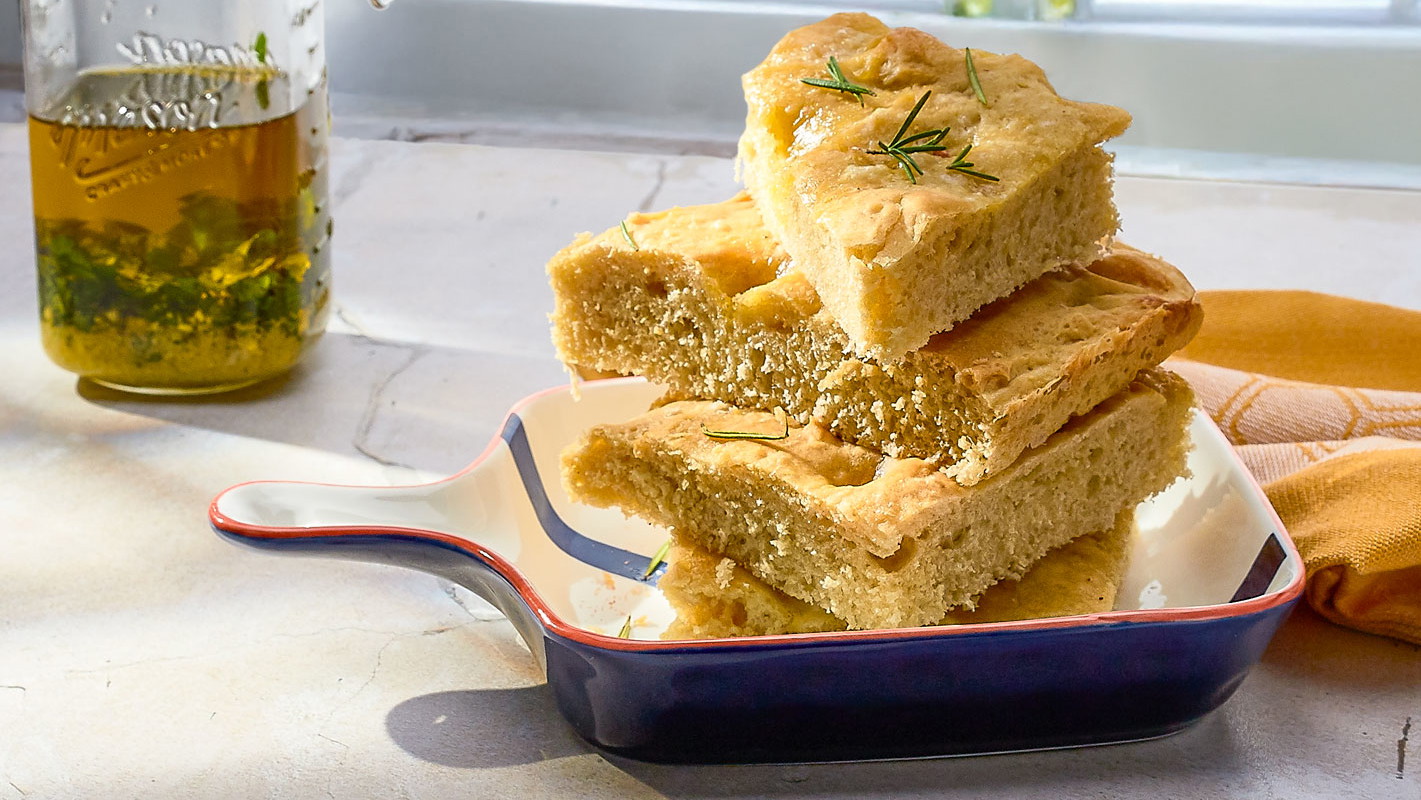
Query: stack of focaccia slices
912, 380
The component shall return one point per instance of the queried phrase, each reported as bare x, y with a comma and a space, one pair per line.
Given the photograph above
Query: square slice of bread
898, 258
716, 598
709, 305
879, 542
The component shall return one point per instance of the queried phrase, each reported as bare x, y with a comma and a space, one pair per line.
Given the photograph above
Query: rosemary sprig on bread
972, 79
657, 559
751, 435
904, 147
839, 82
627, 234
960, 164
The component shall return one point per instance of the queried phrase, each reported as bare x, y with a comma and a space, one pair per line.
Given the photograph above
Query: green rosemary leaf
909, 166
912, 115
838, 82
657, 559
768, 437
902, 147
627, 234
259, 48
934, 137
961, 164
984, 176
972, 79
626, 631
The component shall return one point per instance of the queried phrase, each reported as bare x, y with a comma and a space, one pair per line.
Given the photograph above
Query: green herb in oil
263, 90
211, 270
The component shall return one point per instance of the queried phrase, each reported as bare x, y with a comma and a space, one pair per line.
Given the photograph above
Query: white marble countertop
140, 656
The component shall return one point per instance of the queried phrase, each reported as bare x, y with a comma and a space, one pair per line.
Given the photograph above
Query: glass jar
178, 157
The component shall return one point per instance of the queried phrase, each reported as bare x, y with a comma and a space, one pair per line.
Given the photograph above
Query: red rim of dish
555, 624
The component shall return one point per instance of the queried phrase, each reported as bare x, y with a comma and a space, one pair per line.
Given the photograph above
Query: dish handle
360, 523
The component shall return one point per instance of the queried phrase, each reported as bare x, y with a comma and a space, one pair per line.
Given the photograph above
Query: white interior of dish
1197, 540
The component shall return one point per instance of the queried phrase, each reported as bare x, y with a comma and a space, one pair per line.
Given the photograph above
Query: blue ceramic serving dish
1211, 578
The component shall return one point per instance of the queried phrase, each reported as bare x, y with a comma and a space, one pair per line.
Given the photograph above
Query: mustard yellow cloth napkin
1321, 396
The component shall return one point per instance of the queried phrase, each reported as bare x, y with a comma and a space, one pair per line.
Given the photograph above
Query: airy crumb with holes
709, 305
879, 542
716, 598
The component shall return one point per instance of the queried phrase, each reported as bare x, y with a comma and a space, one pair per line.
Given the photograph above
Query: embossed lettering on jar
181, 222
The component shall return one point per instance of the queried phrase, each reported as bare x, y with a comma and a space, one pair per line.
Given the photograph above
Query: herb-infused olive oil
181, 228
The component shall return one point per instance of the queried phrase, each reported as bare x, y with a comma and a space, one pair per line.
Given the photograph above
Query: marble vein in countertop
377, 402
648, 203
380, 659
1401, 749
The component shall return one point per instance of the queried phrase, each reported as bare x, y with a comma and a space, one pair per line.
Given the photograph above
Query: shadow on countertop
497, 728
472, 730
1310, 648
403, 404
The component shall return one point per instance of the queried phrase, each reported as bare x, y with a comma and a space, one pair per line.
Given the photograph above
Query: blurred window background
1318, 12
1292, 12
1297, 91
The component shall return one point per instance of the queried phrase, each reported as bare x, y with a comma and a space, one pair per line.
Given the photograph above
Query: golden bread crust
896, 261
